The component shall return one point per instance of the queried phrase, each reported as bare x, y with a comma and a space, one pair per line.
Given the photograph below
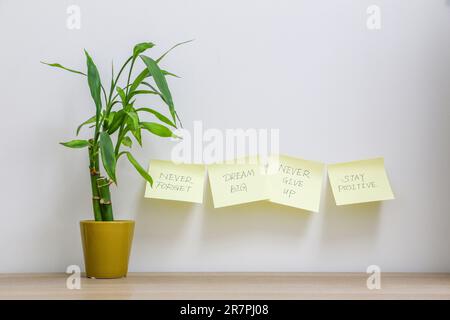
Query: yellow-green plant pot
106, 247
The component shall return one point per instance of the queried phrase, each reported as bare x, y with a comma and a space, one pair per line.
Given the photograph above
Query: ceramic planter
106, 247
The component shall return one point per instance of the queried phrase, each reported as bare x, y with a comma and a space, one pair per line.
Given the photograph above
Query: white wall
336, 90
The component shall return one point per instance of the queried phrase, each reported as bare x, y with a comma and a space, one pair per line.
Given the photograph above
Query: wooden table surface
228, 286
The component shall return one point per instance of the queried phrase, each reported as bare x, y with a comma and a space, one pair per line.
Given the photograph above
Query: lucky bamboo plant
118, 114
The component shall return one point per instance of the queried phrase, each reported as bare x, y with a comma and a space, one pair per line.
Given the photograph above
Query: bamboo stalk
94, 174
105, 198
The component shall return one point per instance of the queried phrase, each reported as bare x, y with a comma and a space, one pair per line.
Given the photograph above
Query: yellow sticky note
359, 181
171, 181
295, 182
237, 183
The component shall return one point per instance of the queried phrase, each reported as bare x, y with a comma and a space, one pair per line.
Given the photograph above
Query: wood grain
228, 286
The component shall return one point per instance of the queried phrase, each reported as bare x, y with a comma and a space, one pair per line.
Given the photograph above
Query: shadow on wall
252, 220
63, 232
191, 230
349, 228
160, 224
69, 206
162, 219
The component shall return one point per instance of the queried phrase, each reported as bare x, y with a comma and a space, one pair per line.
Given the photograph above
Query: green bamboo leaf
145, 74
114, 103
133, 93
126, 141
161, 82
110, 118
178, 44
153, 89
157, 129
94, 83
57, 65
176, 114
108, 156
139, 168
88, 121
141, 47
137, 81
160, 116
76, 144
137, 135
133, 124
133, 119
117, 121
121, 94
111, 87
167, 73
